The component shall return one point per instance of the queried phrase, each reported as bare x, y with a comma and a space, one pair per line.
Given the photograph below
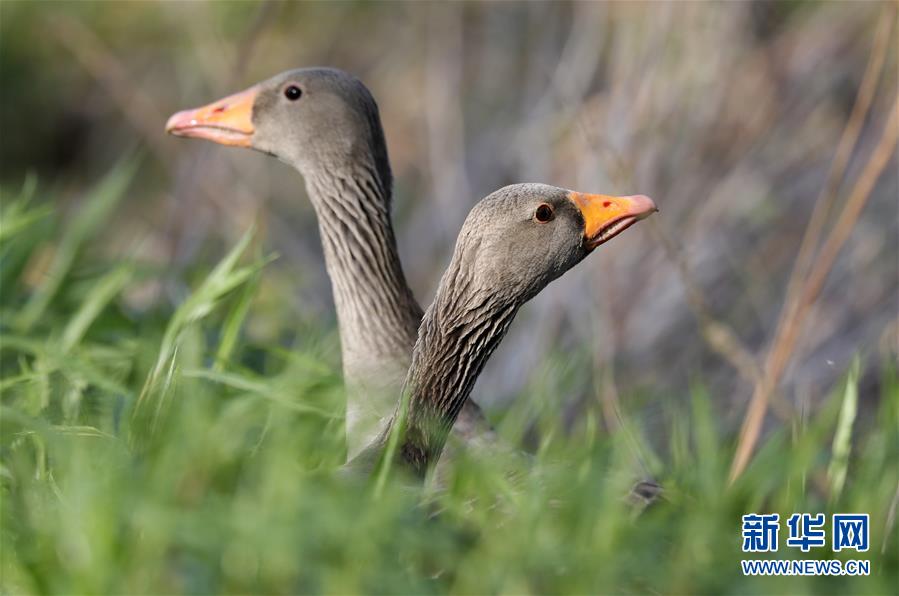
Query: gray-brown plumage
512, 244
325, 124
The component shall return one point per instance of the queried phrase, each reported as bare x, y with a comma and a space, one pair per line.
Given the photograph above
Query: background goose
325, 123
512, 244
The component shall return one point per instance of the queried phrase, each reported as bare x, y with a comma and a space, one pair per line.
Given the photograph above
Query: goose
512, 244
325, 124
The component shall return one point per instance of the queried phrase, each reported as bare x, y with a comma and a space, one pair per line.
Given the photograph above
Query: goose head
309, 118
521, 237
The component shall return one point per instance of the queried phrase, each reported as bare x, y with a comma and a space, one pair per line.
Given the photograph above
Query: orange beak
605, 217
227, 121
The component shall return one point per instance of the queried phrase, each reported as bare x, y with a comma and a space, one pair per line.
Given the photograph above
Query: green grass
165, 451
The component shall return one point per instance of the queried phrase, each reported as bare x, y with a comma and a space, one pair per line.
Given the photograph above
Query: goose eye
544, 213
293, 93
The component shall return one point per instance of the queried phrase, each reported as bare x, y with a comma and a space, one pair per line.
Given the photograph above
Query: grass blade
103, 291
18, 214
842, 440
259, 388
233, 323
223, 279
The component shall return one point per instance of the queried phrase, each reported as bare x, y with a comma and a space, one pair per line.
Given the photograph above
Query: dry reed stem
796, 312
824, 204
718, 335
797, 294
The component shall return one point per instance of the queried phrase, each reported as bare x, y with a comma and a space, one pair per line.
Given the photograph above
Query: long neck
376, 311
458, 334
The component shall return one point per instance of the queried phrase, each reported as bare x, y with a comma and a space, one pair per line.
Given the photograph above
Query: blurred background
728, 114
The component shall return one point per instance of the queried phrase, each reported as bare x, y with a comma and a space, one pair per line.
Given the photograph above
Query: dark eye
544, 213
293, 93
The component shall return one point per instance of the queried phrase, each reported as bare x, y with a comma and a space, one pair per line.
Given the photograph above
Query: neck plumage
377, 314
458, 334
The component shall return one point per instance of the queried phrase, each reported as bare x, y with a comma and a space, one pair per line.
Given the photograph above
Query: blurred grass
165, 451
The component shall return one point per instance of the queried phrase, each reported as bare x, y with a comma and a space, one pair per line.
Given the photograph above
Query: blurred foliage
232, 484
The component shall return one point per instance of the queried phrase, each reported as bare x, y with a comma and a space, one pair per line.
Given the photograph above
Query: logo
806, 531
848, 531
760, 532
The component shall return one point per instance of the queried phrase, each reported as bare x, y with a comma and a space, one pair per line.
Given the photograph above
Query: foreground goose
512, 244
325, 124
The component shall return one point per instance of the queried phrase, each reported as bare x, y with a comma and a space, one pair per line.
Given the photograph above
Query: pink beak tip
645, 205
178, 120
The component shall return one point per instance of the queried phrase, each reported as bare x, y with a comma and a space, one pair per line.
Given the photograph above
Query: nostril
607, 203
219, 109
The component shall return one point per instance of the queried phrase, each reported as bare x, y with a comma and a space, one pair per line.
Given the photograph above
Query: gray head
521, 237
311, 118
